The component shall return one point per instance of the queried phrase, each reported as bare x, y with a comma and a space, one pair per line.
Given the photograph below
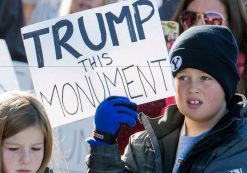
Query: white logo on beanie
176, 63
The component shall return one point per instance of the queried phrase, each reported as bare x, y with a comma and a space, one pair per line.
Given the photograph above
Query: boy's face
24, 151
199, 97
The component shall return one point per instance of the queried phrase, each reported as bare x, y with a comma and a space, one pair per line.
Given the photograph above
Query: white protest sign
73, 148
78, 60
8, 79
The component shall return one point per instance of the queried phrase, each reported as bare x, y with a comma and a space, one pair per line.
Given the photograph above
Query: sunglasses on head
188, 18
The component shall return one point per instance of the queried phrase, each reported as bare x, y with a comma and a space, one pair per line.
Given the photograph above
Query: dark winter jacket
223, 149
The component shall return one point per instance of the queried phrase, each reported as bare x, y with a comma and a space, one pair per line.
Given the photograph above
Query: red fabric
241, 63
152, 109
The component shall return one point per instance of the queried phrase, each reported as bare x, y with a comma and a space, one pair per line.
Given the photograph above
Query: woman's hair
20, 110
237, 20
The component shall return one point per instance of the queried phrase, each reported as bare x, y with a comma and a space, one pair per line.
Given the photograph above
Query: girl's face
209, 6
199, 97
23, 152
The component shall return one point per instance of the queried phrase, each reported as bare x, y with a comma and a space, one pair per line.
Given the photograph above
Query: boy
206, 131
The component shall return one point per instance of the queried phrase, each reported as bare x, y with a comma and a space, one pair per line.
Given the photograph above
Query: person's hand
110, 114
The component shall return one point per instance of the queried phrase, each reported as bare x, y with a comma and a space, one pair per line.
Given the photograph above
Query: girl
25, 134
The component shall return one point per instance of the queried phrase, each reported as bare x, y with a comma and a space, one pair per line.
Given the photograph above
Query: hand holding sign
110, 114
97, 53
117, 49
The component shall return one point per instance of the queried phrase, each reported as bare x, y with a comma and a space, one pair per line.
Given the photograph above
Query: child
25, 134
206, 131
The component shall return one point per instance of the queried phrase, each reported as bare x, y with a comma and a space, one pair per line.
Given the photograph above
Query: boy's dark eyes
186, 77
182, 77
205, 78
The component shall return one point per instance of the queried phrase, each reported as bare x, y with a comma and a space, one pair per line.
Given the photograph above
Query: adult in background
11, 20
80, 5
167, 9
40, 10
230, 13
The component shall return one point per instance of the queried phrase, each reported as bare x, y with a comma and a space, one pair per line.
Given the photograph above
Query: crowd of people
201, 129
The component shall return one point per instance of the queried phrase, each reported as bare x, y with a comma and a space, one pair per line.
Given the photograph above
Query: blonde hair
20, 110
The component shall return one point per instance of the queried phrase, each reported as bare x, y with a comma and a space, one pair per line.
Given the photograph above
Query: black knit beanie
211, 49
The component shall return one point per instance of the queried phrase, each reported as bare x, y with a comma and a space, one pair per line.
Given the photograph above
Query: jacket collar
165, 124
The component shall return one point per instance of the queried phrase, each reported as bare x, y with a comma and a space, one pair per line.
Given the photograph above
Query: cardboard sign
78, 60
8, 79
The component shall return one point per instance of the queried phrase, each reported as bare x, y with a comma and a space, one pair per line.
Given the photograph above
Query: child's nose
25, 157
194, 87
